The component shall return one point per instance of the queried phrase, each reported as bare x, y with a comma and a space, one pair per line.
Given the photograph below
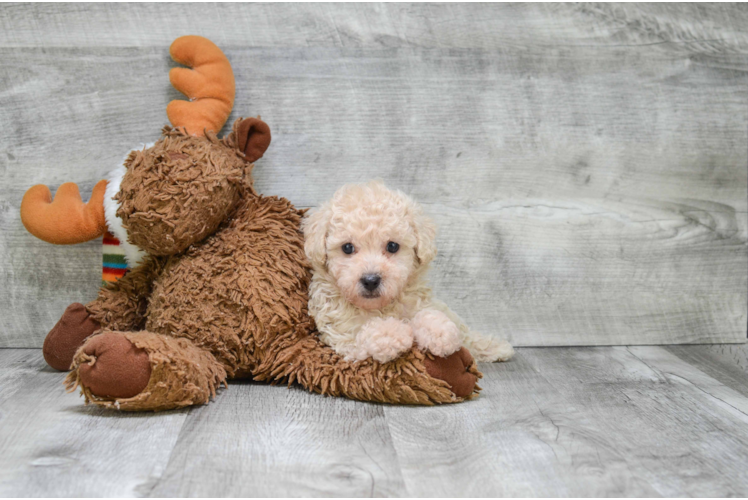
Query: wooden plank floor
600, 421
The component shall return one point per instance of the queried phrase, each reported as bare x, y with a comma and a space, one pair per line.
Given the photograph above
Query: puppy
370, 249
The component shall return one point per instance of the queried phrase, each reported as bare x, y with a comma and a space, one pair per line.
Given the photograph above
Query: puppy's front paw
435, 332
382, 340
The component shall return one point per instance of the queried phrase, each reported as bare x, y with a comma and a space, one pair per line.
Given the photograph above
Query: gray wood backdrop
587, 164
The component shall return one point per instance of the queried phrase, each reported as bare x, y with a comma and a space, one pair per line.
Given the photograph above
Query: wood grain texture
555, 422
264, 441
53, 446
587, 164
705, 27
727, 363
580, 422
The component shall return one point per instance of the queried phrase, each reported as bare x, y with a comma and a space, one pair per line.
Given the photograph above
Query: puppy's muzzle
370, 282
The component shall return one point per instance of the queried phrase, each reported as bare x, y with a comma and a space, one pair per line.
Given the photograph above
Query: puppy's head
370, 241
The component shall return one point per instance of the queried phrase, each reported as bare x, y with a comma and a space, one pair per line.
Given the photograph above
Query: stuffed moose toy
218, 282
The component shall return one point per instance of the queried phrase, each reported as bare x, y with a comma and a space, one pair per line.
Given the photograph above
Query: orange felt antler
209, 85
66, 220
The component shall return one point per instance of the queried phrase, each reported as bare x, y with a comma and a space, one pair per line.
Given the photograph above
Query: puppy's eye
393, 247
348, 248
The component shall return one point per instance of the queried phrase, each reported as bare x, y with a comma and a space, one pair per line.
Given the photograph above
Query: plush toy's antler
66, 220
209, 85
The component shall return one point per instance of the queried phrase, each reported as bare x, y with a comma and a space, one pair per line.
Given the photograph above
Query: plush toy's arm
122, 305
413, 378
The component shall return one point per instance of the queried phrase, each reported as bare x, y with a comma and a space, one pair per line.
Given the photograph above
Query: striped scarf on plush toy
114, 264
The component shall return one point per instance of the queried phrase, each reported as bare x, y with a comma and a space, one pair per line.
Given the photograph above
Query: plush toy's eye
348, 248
393, 247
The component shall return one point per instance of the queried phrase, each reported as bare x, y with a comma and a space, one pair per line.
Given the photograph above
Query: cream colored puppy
370, 248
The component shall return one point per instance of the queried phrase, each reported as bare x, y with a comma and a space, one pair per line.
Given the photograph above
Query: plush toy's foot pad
136, 371
114, 367
457, 369
67, 336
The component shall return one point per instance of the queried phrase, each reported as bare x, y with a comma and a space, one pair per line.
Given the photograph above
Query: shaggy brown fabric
241, 286
114, 367
169, 201
297, 357
67, 336
232, 302
181, 375
122, 304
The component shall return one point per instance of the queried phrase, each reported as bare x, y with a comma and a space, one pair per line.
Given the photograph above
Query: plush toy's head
179, 190
176, 191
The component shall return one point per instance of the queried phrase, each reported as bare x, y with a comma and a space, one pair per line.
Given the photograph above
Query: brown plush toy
219, 289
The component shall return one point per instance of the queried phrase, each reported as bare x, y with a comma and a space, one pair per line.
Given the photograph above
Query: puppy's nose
371, 281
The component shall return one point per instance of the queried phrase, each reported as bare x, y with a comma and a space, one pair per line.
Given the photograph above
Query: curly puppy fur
384, 322
194, 184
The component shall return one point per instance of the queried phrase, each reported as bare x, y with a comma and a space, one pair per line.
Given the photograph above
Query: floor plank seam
387, 420
707, 394
155, 484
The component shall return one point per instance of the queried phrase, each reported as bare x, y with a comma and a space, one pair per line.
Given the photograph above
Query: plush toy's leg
414, 378
75, 325
122, 305
119, 306
144, 371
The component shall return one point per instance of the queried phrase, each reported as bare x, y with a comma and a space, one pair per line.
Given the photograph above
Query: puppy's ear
425, 230
315, 226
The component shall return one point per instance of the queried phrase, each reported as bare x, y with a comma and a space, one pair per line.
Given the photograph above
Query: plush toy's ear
425, 234
315, 226
252, 138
